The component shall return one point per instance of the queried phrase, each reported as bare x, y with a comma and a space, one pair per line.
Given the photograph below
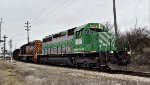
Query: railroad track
139, 74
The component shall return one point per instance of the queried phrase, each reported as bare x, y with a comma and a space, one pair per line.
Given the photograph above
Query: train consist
89, 45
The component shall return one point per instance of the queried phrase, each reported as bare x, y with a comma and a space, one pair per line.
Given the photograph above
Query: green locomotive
89, 45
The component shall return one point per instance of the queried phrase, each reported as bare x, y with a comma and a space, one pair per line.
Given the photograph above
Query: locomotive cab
85, 37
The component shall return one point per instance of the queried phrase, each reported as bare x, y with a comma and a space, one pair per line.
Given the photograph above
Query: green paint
88, 37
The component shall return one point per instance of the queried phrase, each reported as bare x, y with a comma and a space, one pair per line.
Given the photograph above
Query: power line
55, 11
43, 10
50, 10
54, 14
36, 13
27, 30
55, 7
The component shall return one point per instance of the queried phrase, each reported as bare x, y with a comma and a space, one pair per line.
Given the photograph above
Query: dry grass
8, 75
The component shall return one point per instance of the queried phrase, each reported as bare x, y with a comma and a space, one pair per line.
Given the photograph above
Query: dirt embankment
141, 60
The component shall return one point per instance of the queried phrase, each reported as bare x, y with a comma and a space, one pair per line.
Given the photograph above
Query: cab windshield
96, 30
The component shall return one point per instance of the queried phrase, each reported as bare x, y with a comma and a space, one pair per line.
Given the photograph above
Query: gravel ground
20, 73
138, 68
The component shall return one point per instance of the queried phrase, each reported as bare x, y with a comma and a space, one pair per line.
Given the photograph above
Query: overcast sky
52, 16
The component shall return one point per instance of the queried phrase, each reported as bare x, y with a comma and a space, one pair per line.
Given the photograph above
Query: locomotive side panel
60, 43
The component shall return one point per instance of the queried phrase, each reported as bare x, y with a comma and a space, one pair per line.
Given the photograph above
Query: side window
78, 34
87, 32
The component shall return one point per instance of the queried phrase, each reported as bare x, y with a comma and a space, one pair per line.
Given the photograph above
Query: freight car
89, 45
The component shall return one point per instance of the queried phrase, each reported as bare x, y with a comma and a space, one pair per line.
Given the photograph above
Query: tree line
137, 36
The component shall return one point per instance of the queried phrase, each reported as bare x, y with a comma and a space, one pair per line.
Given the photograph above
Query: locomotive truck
89, 45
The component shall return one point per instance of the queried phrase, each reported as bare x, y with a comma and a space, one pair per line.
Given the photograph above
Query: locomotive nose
106, 41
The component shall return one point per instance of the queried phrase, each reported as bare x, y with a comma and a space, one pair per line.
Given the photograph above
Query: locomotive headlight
129, 53
111, 51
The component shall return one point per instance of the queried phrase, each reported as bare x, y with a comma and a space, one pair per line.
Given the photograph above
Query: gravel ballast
33, 74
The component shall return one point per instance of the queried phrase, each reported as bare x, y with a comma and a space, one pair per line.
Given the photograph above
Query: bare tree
138, 38
109, 26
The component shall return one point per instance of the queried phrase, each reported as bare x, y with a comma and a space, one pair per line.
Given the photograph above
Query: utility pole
10, 45
136, 22
0, 31
149, 15
27, 30
0, 28
115, 18
4, 45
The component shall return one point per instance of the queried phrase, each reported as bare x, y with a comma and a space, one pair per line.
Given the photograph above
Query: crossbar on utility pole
4, 45
27, 30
